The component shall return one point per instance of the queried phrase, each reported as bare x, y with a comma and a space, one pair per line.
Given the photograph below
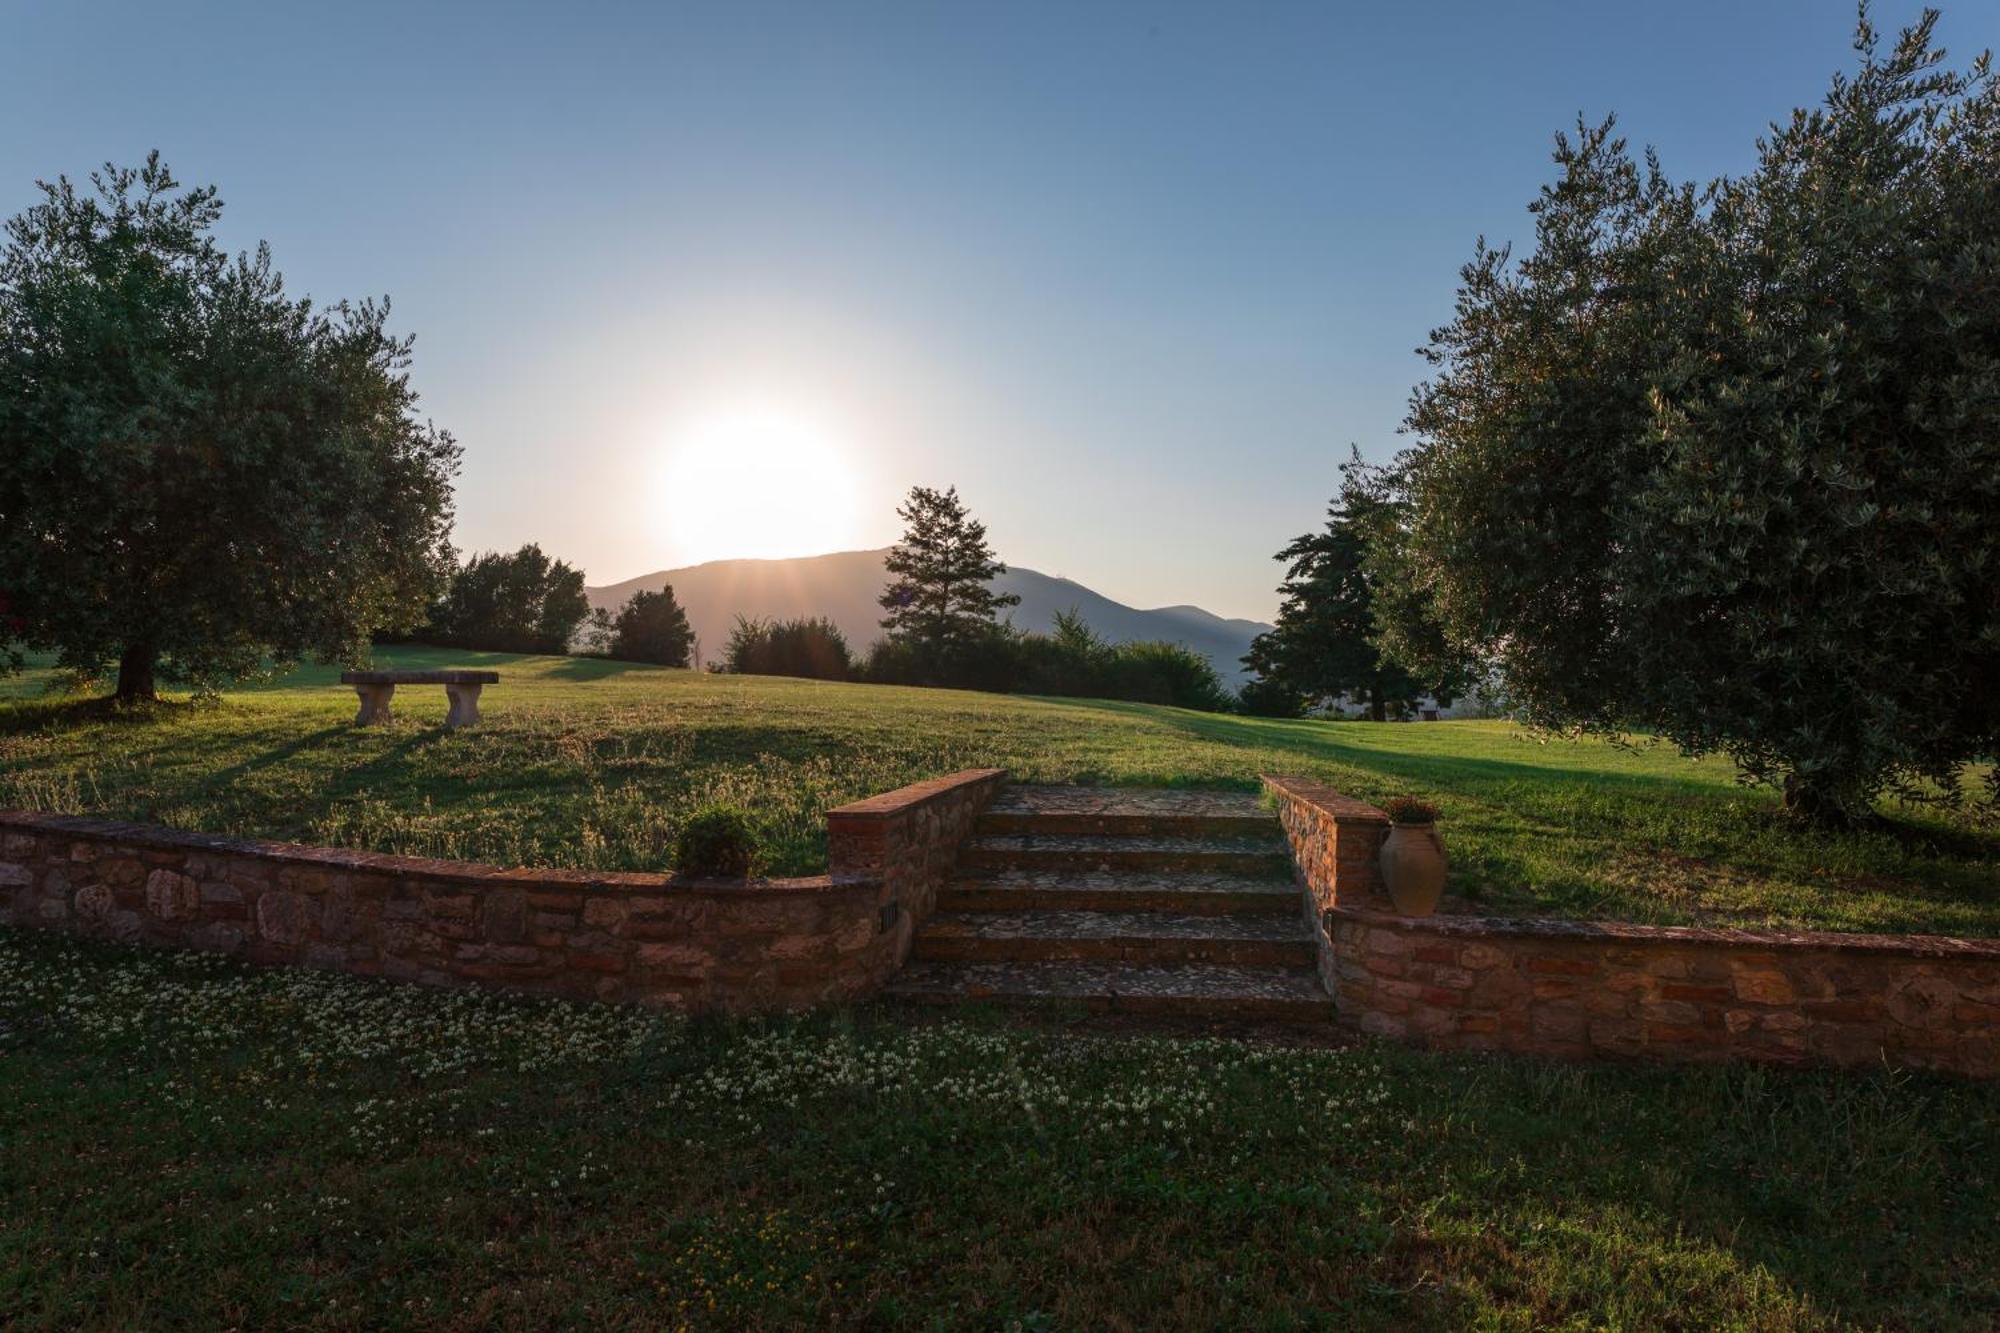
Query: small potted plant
1413, 861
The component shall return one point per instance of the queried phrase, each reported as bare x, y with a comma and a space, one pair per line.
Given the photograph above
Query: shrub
811, 648
1410, 810
1071, 660
1156, 672
717, 841
992, 661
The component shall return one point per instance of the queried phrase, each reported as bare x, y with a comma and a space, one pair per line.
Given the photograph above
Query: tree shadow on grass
60, 713
223, 777
598, 668
1320, 742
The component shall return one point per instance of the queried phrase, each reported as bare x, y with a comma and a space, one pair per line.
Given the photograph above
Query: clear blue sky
1132, 278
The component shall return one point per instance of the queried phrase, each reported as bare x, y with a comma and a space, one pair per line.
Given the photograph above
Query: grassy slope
187, 1144
589, 763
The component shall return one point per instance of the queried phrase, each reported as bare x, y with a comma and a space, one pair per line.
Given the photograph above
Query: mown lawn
590, 763
185, 1143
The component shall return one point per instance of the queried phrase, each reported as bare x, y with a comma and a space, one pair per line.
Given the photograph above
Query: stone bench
377, 687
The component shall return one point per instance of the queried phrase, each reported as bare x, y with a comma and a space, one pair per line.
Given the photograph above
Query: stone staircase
1132, 901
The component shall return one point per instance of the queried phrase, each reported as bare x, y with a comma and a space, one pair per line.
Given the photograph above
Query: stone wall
1335, 841
1583, 989
907, 841
651, 939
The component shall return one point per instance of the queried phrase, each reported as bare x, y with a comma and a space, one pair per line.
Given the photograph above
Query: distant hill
843, 587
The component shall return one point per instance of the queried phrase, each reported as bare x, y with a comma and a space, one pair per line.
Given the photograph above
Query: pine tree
940, 601
1327, 642
652, 627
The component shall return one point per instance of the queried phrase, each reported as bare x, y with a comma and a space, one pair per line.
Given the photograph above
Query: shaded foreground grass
190, 1143
595, 764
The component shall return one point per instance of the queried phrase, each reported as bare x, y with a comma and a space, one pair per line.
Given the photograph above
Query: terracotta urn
1413, 866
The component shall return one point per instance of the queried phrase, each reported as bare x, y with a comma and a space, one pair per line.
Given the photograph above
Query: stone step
1130, 937
1186, 892
1250, 858
1129, 825
1126, 812
1201, 991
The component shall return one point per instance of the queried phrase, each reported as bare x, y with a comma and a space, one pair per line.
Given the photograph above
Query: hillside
843, 587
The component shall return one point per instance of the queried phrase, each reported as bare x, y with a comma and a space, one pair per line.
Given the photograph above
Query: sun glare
759, 484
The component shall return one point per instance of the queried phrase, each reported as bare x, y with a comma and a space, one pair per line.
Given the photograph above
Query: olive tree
1723, 463
200, 476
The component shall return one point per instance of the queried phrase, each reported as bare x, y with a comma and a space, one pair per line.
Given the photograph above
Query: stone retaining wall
652, 939
1335, 841
1581, 989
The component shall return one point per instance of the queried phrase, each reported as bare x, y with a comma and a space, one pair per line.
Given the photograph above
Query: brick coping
385, 863
1328, 801
1378, 912
901, 801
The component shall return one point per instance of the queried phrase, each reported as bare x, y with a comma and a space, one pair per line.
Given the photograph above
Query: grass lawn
590, 763
185, 1143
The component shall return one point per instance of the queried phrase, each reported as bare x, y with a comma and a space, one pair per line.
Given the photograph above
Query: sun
758, 483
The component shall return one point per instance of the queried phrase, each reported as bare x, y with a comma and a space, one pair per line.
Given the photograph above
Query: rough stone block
94, 902
286, 918
171, 896
1763, 987
604, 913
1919, 1001
1479, 957
503, 916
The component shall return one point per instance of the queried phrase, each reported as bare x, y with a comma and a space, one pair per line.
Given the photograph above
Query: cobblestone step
1204, 991
1127, 812
1189, 893
1132, 937
1130, 825
1264, 858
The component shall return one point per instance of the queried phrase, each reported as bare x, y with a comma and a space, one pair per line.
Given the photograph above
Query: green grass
596, 764
186, 1143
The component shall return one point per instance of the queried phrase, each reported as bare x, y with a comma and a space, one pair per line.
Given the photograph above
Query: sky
691, 282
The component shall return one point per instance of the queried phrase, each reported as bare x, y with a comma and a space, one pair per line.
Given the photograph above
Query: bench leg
464, 705
374, 704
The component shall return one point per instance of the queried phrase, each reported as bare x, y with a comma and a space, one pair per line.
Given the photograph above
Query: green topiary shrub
717, 842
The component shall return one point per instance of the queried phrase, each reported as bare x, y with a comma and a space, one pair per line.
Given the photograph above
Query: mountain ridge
843, 586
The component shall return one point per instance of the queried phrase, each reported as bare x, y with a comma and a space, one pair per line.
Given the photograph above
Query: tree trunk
1813, 805
135, 674
1376, 710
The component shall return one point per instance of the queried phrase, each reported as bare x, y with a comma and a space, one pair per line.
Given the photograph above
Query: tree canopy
1723, 463
652, 627
200, 476
941, 599
519, 603
1326, 642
